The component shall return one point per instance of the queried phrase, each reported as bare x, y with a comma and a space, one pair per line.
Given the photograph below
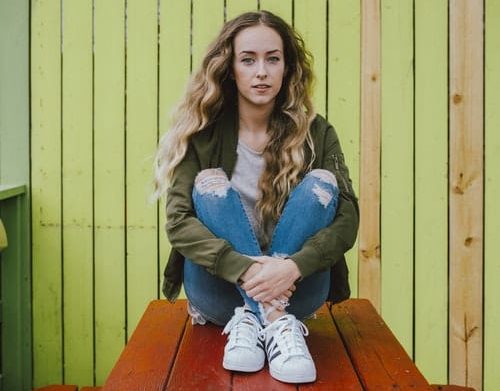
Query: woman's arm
329, 244
189, 235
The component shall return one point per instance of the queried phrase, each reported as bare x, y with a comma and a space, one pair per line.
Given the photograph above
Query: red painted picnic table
351, 345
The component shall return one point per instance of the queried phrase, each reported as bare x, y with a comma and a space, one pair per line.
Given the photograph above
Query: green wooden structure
15, 260
87, 87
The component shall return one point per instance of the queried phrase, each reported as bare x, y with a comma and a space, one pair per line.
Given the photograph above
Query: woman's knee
212, 181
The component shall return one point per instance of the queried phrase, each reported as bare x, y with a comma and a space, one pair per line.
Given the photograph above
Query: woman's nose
261, 70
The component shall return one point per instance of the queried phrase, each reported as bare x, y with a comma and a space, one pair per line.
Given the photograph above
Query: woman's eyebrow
252, 52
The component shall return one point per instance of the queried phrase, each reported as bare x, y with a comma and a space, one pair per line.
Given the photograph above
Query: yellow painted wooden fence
412, 87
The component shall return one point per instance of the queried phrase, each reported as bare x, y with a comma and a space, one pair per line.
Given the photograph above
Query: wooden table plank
261, 380
379, 360
198, 365
333, 365
145, 362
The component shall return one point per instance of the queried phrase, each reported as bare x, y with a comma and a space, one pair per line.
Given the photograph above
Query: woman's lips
261, 87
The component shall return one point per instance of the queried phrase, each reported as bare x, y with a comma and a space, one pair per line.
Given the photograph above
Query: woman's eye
273, 59
247, 60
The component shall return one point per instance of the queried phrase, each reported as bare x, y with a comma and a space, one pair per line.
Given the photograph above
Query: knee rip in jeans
324, 195
212, 181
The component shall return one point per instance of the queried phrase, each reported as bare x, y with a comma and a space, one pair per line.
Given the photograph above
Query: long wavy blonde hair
212, 88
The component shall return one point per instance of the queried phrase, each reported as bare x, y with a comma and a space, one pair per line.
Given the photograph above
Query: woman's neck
253, 122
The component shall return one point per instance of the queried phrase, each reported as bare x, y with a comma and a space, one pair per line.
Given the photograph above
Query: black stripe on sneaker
260, 344
274, 356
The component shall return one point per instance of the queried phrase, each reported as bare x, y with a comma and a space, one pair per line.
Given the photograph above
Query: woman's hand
275, 278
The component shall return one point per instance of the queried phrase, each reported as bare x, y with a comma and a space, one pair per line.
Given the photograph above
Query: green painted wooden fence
416, 108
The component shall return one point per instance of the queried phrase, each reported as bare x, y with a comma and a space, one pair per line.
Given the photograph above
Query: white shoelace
243, 329
289, 336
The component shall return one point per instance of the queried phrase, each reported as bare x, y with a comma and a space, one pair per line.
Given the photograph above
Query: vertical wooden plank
208, 17
369, 181
310, 22
45, 188
77, 192
344, 65
282, 8
237, 7
492, 190
397, 169
175, 21
175, 31
141, 140
466, 192
431, 189
109, 183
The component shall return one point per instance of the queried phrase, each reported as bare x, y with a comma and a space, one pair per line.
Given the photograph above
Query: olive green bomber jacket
215, 146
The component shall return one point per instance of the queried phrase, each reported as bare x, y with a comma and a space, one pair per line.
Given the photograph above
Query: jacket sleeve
189, 236
328, 245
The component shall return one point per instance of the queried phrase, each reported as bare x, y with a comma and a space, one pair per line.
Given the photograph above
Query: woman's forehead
257, 39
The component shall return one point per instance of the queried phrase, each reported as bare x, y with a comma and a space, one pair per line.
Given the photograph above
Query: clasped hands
270, 280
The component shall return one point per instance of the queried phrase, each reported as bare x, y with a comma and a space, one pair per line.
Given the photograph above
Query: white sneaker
244, 350
287, 353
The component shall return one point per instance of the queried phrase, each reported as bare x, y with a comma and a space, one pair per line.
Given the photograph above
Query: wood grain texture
146, 361
109, 184
369, 181
466, 193
46, 191
344, 95
198, 365
333, 365
431, 189
380, 361
491, 192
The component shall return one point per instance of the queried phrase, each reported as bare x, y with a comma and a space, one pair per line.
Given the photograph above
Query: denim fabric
311, 206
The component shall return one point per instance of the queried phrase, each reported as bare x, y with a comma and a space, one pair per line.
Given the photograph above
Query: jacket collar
226, 128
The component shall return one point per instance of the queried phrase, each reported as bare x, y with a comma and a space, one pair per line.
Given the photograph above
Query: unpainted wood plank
333, 365
466, 193
344, 95
109, 184
492, 190
45, 191
77, 194
397, 169
431, 189
141, 140
310, 22
379, 359
369, 181
198, 365
146, 360
208, 18
282, 8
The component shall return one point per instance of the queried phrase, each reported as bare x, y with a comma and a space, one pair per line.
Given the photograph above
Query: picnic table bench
351, 345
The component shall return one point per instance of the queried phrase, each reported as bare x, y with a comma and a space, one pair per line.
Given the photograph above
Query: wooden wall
412, 87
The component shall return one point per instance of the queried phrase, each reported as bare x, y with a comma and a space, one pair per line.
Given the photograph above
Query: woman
260, 208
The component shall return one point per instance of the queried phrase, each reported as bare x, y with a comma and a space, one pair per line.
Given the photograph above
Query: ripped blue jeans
312, 205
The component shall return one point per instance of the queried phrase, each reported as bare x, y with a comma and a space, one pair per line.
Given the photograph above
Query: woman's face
258, 66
